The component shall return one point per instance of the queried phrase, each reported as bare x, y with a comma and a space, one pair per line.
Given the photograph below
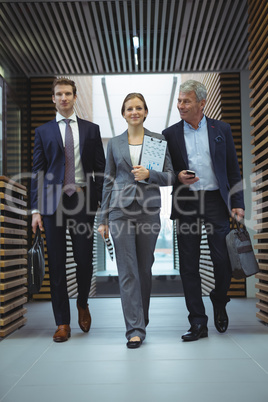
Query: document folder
153, 152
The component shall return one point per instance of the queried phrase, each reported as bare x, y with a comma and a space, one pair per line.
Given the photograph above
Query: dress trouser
207, 207
134, 234
71, 213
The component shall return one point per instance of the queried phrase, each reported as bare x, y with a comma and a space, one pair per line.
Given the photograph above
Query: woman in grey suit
130, 210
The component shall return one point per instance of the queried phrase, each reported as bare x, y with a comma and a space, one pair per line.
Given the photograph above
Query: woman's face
135, 112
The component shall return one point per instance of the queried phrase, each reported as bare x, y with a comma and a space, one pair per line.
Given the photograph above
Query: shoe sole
59, 340
133, 345
84, 329
221, 331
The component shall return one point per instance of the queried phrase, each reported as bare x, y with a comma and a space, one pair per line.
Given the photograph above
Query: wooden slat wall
23, 90
17, 89
13, 148
43, 110
231, 113
83, 109
223, 103
258, 39
13, 255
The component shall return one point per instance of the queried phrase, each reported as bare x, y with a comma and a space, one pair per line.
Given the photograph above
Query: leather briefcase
36, 263
241, 254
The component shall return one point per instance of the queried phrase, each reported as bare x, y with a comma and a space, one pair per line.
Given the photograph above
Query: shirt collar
59, 117
202, 122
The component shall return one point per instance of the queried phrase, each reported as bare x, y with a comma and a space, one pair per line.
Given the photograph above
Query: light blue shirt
198, 153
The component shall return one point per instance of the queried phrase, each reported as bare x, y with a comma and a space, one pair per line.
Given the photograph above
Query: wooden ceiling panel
44, 38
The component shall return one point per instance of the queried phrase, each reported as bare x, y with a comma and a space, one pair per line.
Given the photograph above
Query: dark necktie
69, 177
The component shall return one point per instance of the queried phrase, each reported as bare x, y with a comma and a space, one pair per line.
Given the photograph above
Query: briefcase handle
239, 225
37, 236
240, 229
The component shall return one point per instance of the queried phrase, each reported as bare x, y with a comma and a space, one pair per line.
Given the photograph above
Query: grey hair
196, 86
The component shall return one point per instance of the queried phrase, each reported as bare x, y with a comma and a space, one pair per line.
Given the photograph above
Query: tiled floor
97, 367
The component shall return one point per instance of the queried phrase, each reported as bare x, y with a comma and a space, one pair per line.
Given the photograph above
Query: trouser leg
147, 232
218, 226
189, 237
124, 237
56, 249
81, 232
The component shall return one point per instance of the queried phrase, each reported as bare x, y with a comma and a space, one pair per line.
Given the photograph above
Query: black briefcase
36, 263
241, 254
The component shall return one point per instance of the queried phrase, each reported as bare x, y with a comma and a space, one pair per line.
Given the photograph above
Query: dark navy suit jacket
224, 160
49, 165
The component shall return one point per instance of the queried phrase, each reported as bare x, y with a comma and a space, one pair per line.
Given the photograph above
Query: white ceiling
156, 89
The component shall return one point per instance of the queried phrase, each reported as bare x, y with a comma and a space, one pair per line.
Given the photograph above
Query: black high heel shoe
134, 344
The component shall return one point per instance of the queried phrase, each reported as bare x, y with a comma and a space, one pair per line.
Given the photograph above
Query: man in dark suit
68, 166
208, 189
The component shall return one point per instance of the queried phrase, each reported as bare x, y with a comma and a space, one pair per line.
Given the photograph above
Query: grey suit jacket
120, 189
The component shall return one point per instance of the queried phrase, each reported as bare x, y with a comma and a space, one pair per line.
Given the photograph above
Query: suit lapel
181, 142
58, 136
212, 134
124, 148
82, 134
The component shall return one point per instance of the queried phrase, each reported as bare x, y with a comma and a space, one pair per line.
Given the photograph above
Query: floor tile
98, 367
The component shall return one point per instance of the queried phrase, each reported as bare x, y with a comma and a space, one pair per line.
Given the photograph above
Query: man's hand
37, 221
185, 178
238, 214
140, 173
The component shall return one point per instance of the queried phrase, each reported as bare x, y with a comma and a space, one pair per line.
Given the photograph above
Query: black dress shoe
134, 344
195, 332
221, 320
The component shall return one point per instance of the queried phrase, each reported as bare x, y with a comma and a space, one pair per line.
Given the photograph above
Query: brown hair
133, 95
63, 81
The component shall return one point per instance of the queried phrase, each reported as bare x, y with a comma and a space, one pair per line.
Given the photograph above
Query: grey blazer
120, 189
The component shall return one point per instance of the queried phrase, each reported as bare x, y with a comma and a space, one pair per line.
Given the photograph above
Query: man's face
190, 109
64, 99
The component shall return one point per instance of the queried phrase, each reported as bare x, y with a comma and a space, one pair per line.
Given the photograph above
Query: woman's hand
104, 231
140, 173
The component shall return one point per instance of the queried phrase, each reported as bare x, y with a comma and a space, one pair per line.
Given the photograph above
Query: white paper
153, 153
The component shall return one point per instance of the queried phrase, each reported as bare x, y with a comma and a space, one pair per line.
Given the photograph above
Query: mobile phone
191, 172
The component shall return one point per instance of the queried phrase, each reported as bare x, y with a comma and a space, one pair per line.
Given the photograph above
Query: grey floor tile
205, 392
97, 366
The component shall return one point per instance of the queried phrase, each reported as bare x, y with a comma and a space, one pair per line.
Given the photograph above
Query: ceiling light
136, 42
